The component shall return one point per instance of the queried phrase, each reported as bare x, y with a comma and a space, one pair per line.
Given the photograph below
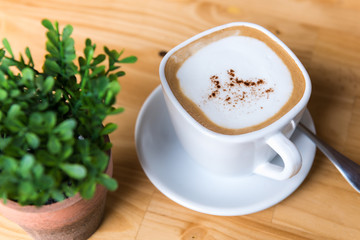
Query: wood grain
324, 34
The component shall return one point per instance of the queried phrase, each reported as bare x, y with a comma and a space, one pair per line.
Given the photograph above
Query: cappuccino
235, 80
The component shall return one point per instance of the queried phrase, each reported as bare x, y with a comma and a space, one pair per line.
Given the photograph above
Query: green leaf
116, 110
88, 42
114, 87
46, 23
67, 31
89, 52
26, 189
7, 47
131, 59
43, 105
36, 123
100, 159
82, 61
65, 135
109, 128
57, 195
114, 55
14, 111
56, 26
14, 125
46, 181
108, 182
9, 164
48, 84
113, 78
51, 67
70, 72
38, 170
27, 162
54, 145
108, 146
2, 53
53, 38
88, 189
54, 51
98, 70
25, 105
99, 59
69, 57
27, 75
28, 54
76, 171
70, 191
109, 98
68, 124
3, 95
3, 82
120, 73
100, 85
49, 119
69, 46
15, 93
33, 140
83, 145
112, 68
22, 61
67, 151
106, 50
4, 142
63, 109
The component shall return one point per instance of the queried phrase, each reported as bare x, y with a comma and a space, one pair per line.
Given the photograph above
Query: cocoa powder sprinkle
240, 90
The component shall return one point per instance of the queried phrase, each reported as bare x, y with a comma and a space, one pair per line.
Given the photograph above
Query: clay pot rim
45, 208
58, 205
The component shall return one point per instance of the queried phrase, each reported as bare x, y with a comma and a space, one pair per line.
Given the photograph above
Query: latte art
255, 87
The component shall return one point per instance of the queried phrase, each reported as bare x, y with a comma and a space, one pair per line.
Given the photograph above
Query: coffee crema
235, 80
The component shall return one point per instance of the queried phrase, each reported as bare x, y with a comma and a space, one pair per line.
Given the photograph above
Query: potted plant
55, 160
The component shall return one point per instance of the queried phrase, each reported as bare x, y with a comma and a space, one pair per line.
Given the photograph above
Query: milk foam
237, 81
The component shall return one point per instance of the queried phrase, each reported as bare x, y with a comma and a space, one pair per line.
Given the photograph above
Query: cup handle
289, 154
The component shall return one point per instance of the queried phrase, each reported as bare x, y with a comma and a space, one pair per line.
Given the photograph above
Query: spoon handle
349, 169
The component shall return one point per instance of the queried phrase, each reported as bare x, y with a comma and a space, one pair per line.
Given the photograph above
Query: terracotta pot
73, 218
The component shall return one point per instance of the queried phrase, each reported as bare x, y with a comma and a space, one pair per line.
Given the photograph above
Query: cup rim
267, 130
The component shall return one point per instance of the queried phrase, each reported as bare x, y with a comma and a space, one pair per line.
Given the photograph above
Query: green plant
52, 141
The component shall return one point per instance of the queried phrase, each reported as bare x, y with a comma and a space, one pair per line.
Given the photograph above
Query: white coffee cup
242, 154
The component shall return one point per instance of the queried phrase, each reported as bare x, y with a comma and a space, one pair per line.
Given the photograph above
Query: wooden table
324, 34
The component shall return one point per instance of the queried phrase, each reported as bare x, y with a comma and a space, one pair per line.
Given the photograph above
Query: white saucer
181, 179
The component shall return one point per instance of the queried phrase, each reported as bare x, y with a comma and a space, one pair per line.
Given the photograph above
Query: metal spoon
349, 169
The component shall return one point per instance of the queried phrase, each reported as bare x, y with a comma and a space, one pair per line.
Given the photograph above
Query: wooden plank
168, 220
